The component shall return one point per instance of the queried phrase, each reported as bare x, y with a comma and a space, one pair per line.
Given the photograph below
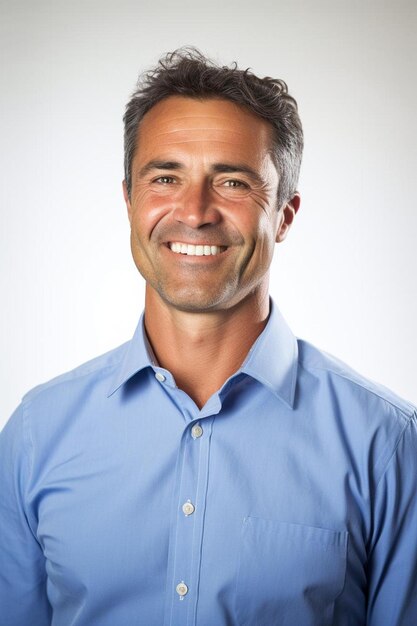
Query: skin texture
203, 174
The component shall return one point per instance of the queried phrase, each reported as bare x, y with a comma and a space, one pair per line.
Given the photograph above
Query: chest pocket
289, 574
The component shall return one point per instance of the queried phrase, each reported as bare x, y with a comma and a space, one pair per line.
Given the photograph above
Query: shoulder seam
29, 449
402, 410
27, 438
63, 379
394, 450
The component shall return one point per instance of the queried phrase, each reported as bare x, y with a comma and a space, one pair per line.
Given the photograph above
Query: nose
197, 207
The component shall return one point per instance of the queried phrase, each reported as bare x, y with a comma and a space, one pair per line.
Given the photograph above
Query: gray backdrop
344, 279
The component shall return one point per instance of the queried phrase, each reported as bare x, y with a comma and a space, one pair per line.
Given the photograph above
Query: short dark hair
187, 72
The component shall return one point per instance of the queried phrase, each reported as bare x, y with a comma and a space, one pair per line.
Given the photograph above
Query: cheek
264, 236
257, 225
148, 210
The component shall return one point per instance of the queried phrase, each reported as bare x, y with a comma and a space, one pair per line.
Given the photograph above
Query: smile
195, 250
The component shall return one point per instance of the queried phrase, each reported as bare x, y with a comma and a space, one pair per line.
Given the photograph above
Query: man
214, 470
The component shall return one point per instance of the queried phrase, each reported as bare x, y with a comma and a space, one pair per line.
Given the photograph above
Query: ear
289, 211
127, 200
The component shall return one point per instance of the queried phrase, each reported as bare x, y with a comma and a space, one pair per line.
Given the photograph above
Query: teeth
192, 250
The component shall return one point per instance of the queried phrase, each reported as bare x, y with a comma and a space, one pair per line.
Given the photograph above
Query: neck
202, 350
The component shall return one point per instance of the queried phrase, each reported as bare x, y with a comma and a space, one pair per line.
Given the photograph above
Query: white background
345, 279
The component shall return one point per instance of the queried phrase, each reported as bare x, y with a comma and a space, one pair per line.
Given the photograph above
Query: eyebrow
231, 168
160, 165
217, 168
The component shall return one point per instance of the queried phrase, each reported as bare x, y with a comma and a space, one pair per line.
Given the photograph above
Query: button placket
189, 525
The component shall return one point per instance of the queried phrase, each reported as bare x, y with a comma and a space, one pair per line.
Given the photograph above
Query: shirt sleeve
23, 598
392, 574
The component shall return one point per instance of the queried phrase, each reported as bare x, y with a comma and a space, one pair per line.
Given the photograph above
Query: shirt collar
137, 357
272, 360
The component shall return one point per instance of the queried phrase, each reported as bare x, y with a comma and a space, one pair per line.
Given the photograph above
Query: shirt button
188, 508
196, 431
160, 377
181, 589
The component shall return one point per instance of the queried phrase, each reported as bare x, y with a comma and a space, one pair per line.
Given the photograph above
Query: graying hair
187, 72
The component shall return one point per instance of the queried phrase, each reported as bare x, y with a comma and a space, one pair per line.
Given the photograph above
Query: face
202, 208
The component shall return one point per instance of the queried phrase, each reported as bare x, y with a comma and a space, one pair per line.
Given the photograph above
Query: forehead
181, 122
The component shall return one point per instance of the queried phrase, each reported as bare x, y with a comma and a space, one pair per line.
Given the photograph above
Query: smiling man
202, 204
215, 470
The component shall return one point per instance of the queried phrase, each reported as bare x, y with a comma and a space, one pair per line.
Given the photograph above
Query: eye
233, 188
164, 180
236, 184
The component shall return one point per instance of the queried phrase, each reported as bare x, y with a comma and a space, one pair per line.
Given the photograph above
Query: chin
193, 301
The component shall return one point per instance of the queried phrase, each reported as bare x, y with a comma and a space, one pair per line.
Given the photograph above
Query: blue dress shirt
289, 499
